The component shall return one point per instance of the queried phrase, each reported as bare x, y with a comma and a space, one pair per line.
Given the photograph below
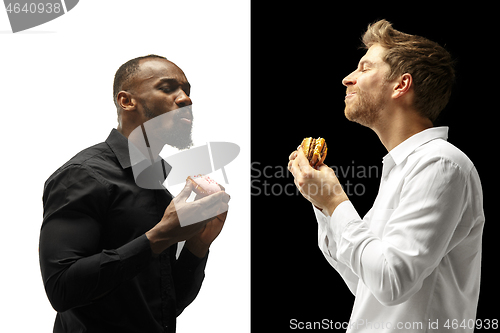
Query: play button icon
28, 14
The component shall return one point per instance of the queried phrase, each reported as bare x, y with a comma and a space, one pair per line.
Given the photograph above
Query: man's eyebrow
171, 80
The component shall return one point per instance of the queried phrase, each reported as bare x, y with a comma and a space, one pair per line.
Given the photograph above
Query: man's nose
349, 80
183, 99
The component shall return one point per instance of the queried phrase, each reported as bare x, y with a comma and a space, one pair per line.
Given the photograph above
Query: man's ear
126, 101
403, 85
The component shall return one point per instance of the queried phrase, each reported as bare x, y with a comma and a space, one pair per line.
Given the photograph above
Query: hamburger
315, 150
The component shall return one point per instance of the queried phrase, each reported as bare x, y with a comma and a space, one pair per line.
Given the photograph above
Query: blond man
413, 262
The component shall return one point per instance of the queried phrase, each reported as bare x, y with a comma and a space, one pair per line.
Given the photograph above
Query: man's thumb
186, 191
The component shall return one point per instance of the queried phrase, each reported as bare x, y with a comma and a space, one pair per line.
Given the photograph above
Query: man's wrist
158, 244
336, 201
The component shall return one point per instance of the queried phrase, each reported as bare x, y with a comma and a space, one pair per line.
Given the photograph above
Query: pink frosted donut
204, 185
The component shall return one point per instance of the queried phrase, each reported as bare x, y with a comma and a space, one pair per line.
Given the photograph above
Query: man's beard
365, 110
177, 136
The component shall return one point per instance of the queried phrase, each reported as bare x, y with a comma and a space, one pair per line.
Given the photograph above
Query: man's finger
322, 166
214, 199
302, 161
293, 167
186, 191
300, 166
222, 216
204, 209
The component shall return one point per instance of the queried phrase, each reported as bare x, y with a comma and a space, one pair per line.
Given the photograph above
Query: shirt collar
126, 153
399, 153
119, 145
146, 174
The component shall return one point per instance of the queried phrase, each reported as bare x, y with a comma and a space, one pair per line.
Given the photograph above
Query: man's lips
350, 94
185, 115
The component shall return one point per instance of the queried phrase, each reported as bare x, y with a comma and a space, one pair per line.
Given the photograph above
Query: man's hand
197, 214
200, 243
321, 187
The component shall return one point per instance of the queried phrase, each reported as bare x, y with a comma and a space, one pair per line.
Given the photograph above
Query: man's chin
360, 117
349, 114
183, 146
179, 136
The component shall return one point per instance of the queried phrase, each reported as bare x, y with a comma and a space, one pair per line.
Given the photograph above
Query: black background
300, 54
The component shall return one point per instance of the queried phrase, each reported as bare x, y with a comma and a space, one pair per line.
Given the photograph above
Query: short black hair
126, 72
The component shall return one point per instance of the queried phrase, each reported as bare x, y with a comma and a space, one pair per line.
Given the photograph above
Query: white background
56, 99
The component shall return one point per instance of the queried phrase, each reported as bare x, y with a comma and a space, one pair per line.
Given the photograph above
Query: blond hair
429, 64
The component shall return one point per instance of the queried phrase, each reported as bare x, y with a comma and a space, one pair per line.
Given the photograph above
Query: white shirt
414, 261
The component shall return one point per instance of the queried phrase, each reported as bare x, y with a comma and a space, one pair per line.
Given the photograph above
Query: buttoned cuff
134, 256
321, 217
344, 214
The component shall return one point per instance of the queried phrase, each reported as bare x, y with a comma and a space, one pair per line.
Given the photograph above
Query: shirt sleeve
416, 236
328, 247
75, 270
189, 274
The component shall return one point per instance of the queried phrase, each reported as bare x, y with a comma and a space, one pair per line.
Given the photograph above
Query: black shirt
96, 262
